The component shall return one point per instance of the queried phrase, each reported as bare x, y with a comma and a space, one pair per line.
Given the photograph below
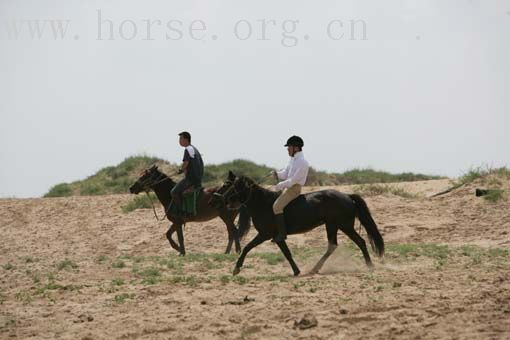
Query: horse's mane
165, 175
258, 187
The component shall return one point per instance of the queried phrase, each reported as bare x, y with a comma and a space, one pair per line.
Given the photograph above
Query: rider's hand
274, 174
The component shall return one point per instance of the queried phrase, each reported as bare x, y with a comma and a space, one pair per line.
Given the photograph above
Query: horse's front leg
180, 238
286, 251
169, 233
252, 244
233, 234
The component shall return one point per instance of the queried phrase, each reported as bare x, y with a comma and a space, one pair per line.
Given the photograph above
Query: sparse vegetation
381, 189
118, 282
8, 266
23, 296
484, 172
141, 202
67, 265
436, 251
150, 275
494, 195
117, 179
118, 264
121, 298
271, 258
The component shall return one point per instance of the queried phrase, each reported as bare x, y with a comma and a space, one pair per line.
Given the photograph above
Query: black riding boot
281, 234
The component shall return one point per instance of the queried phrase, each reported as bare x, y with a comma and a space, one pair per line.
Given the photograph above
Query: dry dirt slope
78, 268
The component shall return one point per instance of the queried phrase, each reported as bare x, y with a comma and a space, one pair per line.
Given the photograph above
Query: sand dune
78, 268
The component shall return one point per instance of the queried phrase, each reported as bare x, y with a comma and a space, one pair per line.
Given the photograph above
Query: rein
232, 187
146, 187
154, 208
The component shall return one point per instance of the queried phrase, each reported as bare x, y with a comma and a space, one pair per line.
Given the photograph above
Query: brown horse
153, 179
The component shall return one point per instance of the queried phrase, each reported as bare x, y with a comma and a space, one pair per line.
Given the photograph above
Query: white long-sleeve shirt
295, 172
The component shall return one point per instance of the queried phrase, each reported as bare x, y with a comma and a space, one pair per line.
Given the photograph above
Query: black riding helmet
295, 141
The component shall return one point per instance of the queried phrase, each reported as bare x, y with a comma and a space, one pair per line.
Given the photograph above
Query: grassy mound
109, 180
117, 179
495, 179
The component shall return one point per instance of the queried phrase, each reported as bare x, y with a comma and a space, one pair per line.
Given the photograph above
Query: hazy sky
396, 85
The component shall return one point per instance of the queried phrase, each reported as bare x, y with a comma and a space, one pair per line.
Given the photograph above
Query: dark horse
333, 208
153, 179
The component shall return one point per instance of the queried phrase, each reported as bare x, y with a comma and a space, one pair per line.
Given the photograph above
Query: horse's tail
368, 222
244, 222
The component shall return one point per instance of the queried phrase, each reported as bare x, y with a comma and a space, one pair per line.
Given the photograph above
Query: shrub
60, 190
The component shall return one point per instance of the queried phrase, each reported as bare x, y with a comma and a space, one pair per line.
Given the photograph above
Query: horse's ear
231, 176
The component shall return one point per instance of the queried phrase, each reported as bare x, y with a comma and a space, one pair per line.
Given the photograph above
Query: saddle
188, 206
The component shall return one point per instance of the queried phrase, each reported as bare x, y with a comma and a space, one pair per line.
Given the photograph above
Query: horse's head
238, 192
217, 199
147, 178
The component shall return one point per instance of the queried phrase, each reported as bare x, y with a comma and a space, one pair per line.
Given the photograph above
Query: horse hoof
297, 273
182, 254
236, 271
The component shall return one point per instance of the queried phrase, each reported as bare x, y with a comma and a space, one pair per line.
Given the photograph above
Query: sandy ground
79, 268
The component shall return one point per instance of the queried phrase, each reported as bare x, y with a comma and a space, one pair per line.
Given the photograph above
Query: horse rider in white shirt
293, 177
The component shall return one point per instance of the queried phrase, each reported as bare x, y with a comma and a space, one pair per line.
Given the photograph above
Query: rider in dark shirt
192, 166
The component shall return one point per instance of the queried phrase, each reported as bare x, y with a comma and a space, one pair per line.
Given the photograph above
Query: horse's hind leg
169, 233
360, 242
285, 250
180, 237
332, 244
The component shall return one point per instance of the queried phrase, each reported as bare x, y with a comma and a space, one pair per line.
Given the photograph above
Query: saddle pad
190, 200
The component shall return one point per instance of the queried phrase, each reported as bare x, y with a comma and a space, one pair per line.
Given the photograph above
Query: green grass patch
141, 202
499, 253
118, 264
436, 251
149, 275
8, 266
24, 297
271, 258
41, 290
494, 196
118, 282
28, 259
473, 252
121, 298
381, 189
187, 280
67, 265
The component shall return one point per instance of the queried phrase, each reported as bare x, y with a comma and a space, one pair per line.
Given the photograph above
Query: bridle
236, 192
147, 186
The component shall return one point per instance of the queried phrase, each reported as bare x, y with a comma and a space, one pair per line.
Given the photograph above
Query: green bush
60, 190
494, 196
